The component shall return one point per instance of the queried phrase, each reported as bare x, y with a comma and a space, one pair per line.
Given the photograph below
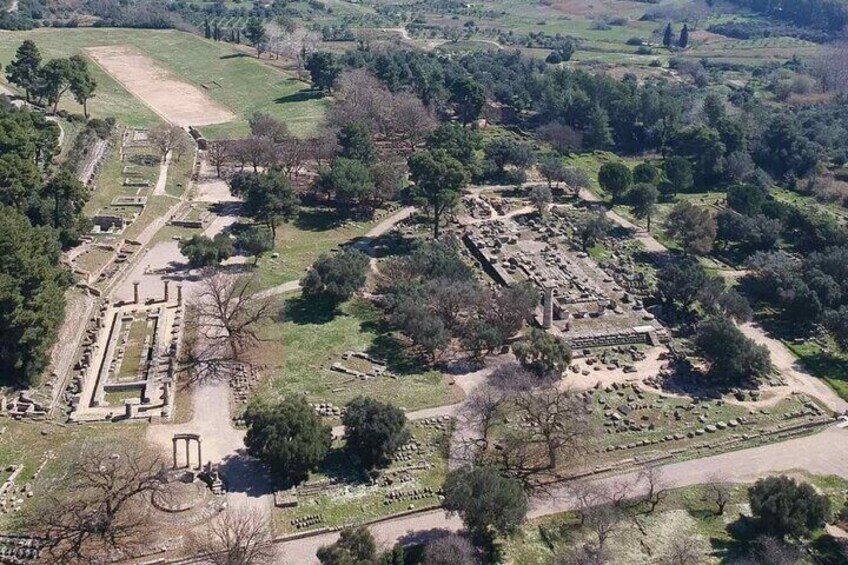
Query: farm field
233, 79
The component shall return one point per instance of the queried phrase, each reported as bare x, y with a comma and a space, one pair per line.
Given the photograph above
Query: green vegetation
236, 80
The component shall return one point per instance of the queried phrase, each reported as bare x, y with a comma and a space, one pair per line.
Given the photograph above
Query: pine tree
667, 35
597, 134
24, 70
207, 31
683, 43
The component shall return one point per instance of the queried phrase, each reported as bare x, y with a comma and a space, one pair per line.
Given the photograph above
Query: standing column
166, 289
135, 292
174, 443
548, 308
199, 456
188, 455
179, 295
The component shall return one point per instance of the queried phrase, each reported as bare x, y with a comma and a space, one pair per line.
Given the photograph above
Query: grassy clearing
830, 365
25, 443
235, 79
299, 243
301, 349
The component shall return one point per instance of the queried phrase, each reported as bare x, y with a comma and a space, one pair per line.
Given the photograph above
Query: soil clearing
175, 101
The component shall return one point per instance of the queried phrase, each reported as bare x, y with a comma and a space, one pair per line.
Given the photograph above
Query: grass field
301, 349
246, 85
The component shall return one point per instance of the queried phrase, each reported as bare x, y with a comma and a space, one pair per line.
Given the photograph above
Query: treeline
40, 211
827, 15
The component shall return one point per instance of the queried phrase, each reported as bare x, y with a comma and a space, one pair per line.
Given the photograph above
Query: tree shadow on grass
318, 219
299, 96
304, 311
743, 531
392, 244
234, 56
340, 466
399, 359
247, 475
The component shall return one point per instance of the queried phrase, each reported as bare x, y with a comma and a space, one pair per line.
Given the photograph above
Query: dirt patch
176, 101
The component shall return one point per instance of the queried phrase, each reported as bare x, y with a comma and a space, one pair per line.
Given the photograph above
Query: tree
541, 198
357, 143
256, 35
501, 152
643, 199
732, 357
452, 549
615, 178
165, 138
439, 179
82, 85
487, 502
552, 169
667, 35
219, 154
836, 321
719, 493
543, 354
597, 133
100, 505
563, 138
255, 241
237, 536
203, 251
511, 307
683, 42
53, 82
355, 546
684, 550
266, 126
694, 226
64, 197
24, 69
32, 288
591, 229
374, 430
333, 279
467, 98
784, 507
678, 171
350, 180
457, 141
556, 422
646, 172
657, 490
268, 197
229, 312
324, 68
288, 436
681, 282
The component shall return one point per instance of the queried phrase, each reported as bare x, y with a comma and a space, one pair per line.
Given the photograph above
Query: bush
543, 354
733, 358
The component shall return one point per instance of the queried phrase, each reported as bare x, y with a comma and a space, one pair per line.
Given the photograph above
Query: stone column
174, 444
179, 295
166, 289
135, 292
199, 456
548, 308
188, 456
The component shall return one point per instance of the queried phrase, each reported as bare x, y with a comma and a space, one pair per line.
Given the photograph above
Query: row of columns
167, 294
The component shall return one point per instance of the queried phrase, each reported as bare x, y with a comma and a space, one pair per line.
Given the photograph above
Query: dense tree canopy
488, 503
784, 507
374, 430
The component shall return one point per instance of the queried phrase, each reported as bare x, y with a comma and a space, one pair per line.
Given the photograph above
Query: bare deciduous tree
556, 420
652, 477
718, 493
165, 138
831, 67
684, 550
602, 520
236, 537
219, 154
99, 506
228, 312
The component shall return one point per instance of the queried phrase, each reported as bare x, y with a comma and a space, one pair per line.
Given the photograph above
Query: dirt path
824, 453
162, 181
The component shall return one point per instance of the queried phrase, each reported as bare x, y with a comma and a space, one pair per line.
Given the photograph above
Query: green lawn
246, 85
301, 349
831, 365
299, 243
